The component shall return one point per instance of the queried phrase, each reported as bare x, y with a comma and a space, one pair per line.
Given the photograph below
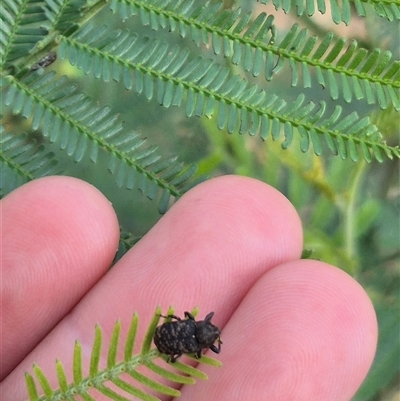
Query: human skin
291, 329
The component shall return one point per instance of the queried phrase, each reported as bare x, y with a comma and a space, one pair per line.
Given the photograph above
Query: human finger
305, 331
59, 236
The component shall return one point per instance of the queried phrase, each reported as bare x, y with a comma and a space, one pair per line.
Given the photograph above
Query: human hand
291, 329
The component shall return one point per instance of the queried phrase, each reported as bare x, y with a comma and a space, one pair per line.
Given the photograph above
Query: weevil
187, 336
48, 59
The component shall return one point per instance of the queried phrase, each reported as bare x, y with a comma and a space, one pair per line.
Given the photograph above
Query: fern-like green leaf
207, 85
206, 22
22, 160
62, 376
77, 363
346, 70
43, 381
62, 14
100, 379
69, 118
126, 241
343, 68
113, 347
21, 27
340, 10
31, 387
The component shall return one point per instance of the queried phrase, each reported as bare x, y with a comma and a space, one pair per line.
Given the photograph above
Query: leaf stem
350, 217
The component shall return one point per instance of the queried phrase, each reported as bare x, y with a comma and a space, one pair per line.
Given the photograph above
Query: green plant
316, 92
115, 370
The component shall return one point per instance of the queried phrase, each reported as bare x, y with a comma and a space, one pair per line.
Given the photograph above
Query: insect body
187, 336
48, 59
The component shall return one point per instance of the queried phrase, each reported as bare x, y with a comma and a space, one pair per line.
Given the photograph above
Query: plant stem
349, 217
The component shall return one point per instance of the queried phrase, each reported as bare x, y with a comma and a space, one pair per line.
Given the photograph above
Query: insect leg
170, 316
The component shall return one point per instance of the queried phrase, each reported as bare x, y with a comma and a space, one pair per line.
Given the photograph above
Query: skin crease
291, 329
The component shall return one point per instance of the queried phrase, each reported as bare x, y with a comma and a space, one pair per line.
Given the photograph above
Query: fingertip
216, 241
334, 321
241, 207
306, 331
61, 210
60, 235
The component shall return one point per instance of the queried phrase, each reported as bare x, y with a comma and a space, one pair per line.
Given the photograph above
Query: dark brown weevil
187, 336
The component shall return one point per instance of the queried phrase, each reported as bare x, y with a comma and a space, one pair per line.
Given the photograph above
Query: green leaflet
69, 119
79, 126
253, 51
238, 102
100, 378
340, 11
22, 160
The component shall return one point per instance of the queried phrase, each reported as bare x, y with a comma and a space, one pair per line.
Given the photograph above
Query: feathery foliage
206, 87
22, 160
241, 106
339, 66
341, 11
117, 368
69, 118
